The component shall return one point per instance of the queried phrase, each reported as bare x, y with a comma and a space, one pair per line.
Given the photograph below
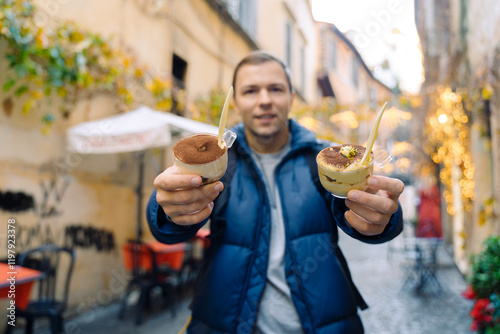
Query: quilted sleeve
163, 229
392, 230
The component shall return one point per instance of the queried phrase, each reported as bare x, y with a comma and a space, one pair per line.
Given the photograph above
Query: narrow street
379, 273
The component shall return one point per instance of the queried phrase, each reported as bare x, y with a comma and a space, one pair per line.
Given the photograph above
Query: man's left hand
371, 210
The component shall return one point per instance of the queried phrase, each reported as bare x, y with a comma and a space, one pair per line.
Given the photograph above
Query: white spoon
373, 135
223, 118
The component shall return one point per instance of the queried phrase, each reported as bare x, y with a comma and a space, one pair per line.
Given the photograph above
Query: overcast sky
381, 30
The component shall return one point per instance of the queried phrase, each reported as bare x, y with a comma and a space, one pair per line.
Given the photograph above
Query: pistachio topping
348, 151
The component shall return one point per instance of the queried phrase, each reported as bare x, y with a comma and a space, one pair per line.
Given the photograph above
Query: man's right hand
183, 199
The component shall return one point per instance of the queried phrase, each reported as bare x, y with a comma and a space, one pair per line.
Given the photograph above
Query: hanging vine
65, 61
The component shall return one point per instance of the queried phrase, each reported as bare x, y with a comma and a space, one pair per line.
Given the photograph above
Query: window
332, 54
355, 71
324, 49
302, 70
244, 12
179, 69
233, 7
288, 45
373, 95
248, 16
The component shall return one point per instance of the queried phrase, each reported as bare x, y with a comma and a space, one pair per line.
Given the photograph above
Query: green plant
208, 108
485, 278
67, 63
484, 287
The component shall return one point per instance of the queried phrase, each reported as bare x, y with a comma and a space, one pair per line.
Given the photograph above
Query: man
273, 265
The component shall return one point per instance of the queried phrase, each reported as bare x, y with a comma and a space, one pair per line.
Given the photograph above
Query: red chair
146, 275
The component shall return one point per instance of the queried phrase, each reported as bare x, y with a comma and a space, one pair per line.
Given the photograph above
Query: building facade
88, 202
460, 44
343, 74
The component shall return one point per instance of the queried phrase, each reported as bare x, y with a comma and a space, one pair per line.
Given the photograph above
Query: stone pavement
379, 275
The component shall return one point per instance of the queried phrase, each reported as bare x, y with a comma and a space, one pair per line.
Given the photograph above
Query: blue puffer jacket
233, 277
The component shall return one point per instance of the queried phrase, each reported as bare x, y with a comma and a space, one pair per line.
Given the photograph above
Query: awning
136, 130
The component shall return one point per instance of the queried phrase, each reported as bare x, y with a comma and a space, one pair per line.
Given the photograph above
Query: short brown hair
259, 57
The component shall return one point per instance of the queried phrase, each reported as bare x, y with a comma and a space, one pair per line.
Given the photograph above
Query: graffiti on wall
21, 202
74, 236
49, 230
89, 237
52, 194
11, 201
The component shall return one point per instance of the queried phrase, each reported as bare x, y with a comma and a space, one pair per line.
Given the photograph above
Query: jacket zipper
285, 222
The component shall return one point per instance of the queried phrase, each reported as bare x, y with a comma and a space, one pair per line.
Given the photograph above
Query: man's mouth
264, 117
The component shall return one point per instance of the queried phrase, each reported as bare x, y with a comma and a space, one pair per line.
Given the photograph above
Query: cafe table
21, 286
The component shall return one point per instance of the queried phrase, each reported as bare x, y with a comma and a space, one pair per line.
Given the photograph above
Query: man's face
263, 99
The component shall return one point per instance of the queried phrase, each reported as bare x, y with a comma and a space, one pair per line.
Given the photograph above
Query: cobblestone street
379, 275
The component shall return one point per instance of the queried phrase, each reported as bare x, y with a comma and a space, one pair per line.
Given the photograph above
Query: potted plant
484, 287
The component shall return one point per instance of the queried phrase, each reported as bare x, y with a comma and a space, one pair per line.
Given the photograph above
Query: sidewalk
378, 273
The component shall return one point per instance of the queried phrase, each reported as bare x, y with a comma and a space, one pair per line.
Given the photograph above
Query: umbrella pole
139, 195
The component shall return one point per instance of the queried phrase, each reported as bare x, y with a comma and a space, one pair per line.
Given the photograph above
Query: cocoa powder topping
332, 156
198, 149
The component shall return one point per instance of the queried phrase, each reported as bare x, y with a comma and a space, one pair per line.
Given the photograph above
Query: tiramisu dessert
340, 168
200, 154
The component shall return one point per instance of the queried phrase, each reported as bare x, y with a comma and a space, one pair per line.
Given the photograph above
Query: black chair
145, 277
56, 263
422, 266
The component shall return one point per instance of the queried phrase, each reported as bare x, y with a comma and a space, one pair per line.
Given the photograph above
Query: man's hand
371, 210
182, 197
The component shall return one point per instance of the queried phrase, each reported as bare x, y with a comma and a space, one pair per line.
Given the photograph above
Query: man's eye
249, 91
276, 89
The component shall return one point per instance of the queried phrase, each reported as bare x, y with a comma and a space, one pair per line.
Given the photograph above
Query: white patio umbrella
134, 131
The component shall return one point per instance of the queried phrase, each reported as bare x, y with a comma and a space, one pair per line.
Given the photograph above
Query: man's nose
264, 97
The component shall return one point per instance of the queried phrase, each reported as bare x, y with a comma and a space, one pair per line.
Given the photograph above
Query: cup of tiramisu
340, 169
201, 155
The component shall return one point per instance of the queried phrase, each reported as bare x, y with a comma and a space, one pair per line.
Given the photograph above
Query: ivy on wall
65, 62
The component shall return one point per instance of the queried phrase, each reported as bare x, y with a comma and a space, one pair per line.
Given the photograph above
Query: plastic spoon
223, 118
373, 135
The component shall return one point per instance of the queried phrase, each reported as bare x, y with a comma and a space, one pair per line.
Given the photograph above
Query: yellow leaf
41, 39
481, 218
486, 92
139, 73
76, 36
27, 107
36, 94
126, 62
62, 92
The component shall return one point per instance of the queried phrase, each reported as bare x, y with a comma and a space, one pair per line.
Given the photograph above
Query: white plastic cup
214, 170
339, 183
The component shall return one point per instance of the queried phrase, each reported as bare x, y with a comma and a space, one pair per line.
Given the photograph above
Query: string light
448, 131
